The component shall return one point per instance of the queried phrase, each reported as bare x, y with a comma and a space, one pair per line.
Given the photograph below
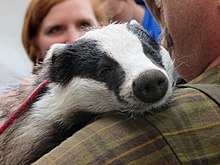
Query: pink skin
124, 10
120, 10
194, 28
64, 23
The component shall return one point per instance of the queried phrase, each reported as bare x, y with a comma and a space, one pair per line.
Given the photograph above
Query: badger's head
115, 68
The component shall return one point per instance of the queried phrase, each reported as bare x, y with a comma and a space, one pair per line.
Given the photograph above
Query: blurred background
14, 63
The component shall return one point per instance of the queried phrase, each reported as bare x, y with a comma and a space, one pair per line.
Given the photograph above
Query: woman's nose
72, 35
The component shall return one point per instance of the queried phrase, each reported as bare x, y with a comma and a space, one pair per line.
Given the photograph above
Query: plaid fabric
188, 132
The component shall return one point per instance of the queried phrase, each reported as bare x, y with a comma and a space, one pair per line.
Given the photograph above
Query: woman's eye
55, 29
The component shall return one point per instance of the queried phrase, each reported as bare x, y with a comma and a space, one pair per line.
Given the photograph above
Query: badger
115, 68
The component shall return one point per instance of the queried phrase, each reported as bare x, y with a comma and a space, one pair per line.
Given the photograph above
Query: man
193, 28
188, 132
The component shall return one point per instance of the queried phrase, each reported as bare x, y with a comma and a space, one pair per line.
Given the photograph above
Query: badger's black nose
150, 86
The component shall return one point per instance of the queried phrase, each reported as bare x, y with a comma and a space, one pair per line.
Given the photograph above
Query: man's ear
155, 8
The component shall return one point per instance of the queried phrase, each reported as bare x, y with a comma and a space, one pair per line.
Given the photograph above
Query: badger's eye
105, 72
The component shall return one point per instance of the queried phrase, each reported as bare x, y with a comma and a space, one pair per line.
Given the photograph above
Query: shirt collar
211, 76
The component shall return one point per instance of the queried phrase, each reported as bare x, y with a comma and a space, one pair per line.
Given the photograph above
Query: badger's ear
133, 22
60, 63
54, 52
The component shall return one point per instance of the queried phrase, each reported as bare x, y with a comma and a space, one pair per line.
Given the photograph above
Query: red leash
24, 106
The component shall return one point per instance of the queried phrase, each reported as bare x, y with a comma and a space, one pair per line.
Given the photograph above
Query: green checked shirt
188, 132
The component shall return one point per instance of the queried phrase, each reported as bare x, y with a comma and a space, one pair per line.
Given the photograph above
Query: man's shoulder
186, 102
190, 126
194, 95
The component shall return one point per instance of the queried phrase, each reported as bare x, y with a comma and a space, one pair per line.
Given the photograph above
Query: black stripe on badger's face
150, 47
85, 59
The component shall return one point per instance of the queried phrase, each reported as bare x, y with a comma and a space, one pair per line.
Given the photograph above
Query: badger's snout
150, 86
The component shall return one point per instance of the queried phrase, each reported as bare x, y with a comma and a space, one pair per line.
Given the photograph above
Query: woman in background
58, 21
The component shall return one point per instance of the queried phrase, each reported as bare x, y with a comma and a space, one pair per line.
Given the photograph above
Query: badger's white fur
80, 87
